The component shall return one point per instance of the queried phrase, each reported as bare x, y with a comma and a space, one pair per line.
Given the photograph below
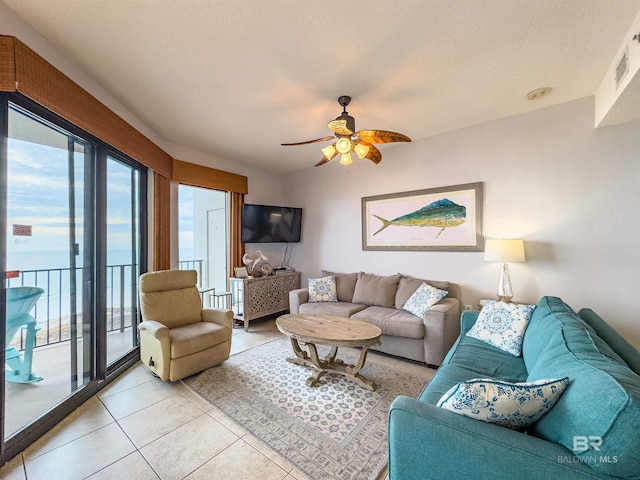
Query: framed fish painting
436, 219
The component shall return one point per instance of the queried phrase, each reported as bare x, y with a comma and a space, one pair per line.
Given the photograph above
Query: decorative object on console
348, 140
424, 297
504, 251
241, 272
253, 261
512, 405
397, 221
502, 325
266, 269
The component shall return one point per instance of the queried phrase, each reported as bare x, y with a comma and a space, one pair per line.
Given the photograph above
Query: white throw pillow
502, 325
512, 405
423, 298
323, 289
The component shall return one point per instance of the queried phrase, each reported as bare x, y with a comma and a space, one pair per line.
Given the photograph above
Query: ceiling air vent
623, 67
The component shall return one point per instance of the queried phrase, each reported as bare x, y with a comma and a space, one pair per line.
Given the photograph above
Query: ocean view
48, 269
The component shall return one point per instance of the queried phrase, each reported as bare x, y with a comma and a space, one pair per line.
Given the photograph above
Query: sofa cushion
602, 400
485, 360
173, 308
619, 345
408, 285
196, 337
376, 290
423, 298
393, 322
445, 377
322, 289
511, 405
339, 309
345, 284
502, 324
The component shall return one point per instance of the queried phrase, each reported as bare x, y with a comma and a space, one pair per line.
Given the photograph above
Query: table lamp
504, 251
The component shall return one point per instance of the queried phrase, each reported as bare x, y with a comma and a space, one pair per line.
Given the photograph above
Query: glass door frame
101, 373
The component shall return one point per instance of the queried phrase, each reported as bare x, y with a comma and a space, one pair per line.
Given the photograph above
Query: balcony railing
192, 265
53, 311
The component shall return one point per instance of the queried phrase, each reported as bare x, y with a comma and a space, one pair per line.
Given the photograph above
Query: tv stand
258, 297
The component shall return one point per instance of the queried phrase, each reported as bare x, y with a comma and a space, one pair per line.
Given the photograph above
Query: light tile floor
139, 427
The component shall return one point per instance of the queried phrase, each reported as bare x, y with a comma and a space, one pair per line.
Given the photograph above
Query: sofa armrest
467, 320
442, 325
296, 298
426, 441
155, 329
155, 347
219, 316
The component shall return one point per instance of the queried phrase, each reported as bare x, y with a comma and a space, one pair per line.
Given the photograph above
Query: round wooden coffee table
312, 330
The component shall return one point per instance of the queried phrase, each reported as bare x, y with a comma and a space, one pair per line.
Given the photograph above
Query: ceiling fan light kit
329, 151
348, 140
343, 145
361, 150
346, 159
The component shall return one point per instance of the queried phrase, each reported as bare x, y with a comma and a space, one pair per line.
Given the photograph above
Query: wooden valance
199, 176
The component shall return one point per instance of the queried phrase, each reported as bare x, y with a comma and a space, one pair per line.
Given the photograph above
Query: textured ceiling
235, 78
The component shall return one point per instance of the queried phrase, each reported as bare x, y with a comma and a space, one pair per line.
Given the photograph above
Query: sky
38, 187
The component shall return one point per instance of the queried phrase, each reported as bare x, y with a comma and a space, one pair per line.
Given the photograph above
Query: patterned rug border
334, 454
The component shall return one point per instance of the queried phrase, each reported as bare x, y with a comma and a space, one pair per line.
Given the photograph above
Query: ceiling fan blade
326, 160
340, 127
382, 136
374, 154
323, 139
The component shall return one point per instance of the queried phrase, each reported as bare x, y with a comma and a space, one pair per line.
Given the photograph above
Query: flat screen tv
270, 224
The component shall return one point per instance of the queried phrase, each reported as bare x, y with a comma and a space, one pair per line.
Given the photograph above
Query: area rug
335, 430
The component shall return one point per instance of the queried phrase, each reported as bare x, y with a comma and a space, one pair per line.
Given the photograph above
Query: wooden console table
258, 297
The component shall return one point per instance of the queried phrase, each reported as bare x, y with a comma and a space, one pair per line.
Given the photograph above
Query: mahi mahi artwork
442, 213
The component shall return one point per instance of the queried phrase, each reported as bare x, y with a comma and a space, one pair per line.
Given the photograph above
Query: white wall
12, 24
571, 192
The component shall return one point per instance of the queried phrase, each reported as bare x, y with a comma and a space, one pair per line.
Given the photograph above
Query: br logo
583, 443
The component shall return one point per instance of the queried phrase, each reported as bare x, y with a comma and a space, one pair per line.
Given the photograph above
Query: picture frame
444, 219
241, 272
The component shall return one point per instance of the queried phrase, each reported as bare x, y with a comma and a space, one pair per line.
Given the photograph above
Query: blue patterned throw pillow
512, 405
424, 297
502, 325
323, 289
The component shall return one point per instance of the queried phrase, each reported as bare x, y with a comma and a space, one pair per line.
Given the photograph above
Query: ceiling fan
348, 140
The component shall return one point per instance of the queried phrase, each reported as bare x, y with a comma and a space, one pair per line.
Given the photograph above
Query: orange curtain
236, 247
161, 222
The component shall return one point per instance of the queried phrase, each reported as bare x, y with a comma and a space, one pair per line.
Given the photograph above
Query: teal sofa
599, 410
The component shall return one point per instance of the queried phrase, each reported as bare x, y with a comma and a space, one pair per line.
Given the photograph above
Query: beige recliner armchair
177, 337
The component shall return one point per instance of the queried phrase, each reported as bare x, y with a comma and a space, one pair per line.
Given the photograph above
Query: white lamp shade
504, 250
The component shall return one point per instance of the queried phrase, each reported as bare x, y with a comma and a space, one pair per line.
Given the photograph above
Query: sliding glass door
73, 246
123, 257
47, 329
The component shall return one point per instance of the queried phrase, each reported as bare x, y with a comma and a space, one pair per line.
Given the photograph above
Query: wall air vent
623, 67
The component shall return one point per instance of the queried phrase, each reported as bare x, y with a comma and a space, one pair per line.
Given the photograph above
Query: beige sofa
379, 300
